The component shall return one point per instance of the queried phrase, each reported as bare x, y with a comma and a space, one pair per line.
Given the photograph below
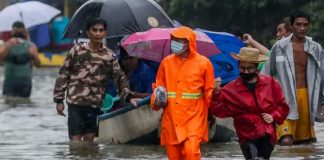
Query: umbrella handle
22, 17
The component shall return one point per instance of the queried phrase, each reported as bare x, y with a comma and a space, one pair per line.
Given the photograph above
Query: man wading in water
84, 76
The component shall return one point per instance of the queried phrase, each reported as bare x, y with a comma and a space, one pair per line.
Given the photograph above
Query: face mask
177, 47
19, 35
247, 76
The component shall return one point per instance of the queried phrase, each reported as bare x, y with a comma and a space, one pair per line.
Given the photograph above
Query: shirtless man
296, 62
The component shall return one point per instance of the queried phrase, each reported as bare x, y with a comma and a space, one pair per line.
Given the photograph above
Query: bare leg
286, 140
89, 137
320, 116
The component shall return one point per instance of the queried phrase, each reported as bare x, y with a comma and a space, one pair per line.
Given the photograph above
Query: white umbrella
32, 13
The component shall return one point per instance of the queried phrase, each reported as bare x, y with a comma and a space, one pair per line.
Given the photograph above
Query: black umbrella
123, 17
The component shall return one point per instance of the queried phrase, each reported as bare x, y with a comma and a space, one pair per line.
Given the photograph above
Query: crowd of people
275, 99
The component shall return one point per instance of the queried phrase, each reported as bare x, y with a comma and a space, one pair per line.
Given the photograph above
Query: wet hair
94, 22
298, 14
18, 24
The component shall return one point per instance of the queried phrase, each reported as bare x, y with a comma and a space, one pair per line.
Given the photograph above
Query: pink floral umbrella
154, 44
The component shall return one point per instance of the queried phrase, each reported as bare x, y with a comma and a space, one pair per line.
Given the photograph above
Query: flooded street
31, 129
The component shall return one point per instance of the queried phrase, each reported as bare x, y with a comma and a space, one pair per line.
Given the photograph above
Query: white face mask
177, 47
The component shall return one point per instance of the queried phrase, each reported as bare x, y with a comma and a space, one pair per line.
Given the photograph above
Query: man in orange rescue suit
188, 79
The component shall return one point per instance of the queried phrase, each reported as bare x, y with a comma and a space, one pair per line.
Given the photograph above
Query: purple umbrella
154, 44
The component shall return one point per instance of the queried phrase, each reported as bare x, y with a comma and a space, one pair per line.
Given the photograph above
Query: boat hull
141, 126
129, 126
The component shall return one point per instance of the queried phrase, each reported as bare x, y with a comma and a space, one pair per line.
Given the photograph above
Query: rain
31, 127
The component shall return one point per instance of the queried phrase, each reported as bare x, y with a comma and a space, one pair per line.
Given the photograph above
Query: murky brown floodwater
31, 129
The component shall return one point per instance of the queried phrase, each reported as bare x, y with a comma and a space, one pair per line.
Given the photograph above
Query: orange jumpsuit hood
187, 33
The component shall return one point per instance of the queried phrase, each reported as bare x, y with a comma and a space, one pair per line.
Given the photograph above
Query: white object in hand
161, 96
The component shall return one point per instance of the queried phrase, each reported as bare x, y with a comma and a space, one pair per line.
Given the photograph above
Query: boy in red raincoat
255, 102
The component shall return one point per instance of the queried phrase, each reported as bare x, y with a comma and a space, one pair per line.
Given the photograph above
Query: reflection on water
12, 102
31, 129
83, 150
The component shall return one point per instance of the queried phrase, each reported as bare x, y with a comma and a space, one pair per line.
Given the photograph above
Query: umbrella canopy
123, 17
226, 42
32, 13
154, 44
224, 65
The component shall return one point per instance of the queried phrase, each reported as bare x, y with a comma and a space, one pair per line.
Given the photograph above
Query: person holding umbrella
84, 76
19, 54
255, 102
186, 78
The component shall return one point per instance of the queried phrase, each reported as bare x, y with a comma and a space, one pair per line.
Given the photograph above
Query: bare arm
3, 51
136, 97
250, 41
33, 51
5, 47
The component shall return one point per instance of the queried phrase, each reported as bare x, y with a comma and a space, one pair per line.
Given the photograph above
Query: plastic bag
161, 97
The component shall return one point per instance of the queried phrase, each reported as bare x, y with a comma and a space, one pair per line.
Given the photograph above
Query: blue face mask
177, 47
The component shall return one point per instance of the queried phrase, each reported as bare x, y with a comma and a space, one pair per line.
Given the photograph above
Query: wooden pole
66, 8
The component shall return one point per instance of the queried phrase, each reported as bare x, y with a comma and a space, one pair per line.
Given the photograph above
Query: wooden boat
128, 123
141, 124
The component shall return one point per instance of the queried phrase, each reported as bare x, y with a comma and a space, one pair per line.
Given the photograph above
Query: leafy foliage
257, 17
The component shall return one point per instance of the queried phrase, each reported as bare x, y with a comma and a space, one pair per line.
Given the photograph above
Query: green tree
316, 9
257, 17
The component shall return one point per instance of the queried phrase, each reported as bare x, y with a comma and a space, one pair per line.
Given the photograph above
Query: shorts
82, 120
301, 129
17, 90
